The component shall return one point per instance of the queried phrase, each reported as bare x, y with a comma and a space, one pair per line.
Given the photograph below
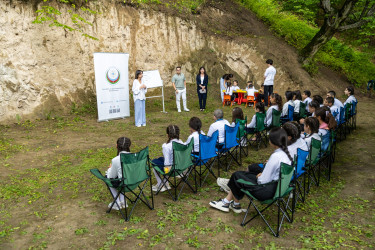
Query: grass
48, 198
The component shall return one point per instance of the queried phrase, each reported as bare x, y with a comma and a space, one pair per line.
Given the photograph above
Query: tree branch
353, 25
365, 8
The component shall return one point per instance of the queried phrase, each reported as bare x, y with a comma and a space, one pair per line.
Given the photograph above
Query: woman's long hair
173, 132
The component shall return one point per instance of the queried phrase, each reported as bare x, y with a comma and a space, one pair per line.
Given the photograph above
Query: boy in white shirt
335, 111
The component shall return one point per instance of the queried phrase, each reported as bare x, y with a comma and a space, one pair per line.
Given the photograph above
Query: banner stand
162, 97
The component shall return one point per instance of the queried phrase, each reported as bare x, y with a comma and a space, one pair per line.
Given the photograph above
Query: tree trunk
325, 34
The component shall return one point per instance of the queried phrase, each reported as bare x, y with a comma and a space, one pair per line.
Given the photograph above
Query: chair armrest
245, 182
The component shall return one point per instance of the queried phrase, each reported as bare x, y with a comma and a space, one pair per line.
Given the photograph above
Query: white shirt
307, 102
253, 122
194, 135
335, 109
235, 88
250, 91
308, 139
220, 126
350, 99
300, 143
168, 152
338, 103
229, 91
322, 132
285, 107
296, 105
272, 167
202, 78
269, 114
222, 87
270, 75
138, 94
115, 170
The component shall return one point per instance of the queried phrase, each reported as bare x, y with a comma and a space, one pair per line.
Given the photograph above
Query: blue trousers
140, 112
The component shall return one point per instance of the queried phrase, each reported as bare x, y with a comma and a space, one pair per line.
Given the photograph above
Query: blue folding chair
204, 160
299, 171
290, 115
229, 147
341, 125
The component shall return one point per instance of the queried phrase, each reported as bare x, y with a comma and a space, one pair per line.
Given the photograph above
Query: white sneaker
144, 125
179, 111
115, 207
138, 126
155, 188
237, 209
223, 183
220, 205
123, 204
187, 110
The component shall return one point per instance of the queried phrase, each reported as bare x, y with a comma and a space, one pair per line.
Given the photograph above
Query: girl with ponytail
276, 103
165, 163
293, 130
195, 125
114, 172
265, 177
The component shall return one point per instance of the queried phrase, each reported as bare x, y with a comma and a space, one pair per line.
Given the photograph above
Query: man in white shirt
269, 76
219, 125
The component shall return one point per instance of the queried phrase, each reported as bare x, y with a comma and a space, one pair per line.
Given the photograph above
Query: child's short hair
269, 61
260, 107
313, 124
235, 81
332, 93
307, 93
123, 144
250, 82
350, 89
297, 94
314, 104
173, 132
196, 124
330, 100
318, 98
288, 95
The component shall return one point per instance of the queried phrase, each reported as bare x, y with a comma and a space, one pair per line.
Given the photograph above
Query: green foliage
356, 65
50, 15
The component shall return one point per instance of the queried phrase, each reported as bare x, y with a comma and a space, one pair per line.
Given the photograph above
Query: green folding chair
242, 137
259, 136
327, 158
180, 170
302, 111
312, 165
348, 108
135, 176
281, 198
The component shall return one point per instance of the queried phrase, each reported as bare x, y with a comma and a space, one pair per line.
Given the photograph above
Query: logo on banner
113, 75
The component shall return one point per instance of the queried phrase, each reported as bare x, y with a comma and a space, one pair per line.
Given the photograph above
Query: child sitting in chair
250, 89
165, 163
115, 172
235, 87
259, 108
195, 125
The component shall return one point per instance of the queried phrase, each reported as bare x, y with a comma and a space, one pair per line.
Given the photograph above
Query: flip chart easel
152, 79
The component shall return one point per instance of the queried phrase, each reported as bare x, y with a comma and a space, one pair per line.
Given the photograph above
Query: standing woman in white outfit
139, 96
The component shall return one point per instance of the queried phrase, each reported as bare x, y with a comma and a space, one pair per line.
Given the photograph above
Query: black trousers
202, 99
259, 191
268, 90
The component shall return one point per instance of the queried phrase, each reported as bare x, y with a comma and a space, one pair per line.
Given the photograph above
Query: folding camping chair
281, 199
299, 172
259, 135
302, 111
180, 170
348, 108
135, 174
312, 164
327, 155
341, 125
204, 161
289, 116
353, 115
229, 148
242, 137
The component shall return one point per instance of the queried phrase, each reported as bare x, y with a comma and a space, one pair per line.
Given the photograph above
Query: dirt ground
49, 199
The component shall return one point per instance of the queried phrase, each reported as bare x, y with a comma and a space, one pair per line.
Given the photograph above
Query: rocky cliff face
44, 68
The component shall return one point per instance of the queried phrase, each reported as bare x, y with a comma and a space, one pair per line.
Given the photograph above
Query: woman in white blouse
139, 96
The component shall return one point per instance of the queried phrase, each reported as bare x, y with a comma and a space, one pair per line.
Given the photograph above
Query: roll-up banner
112, 85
